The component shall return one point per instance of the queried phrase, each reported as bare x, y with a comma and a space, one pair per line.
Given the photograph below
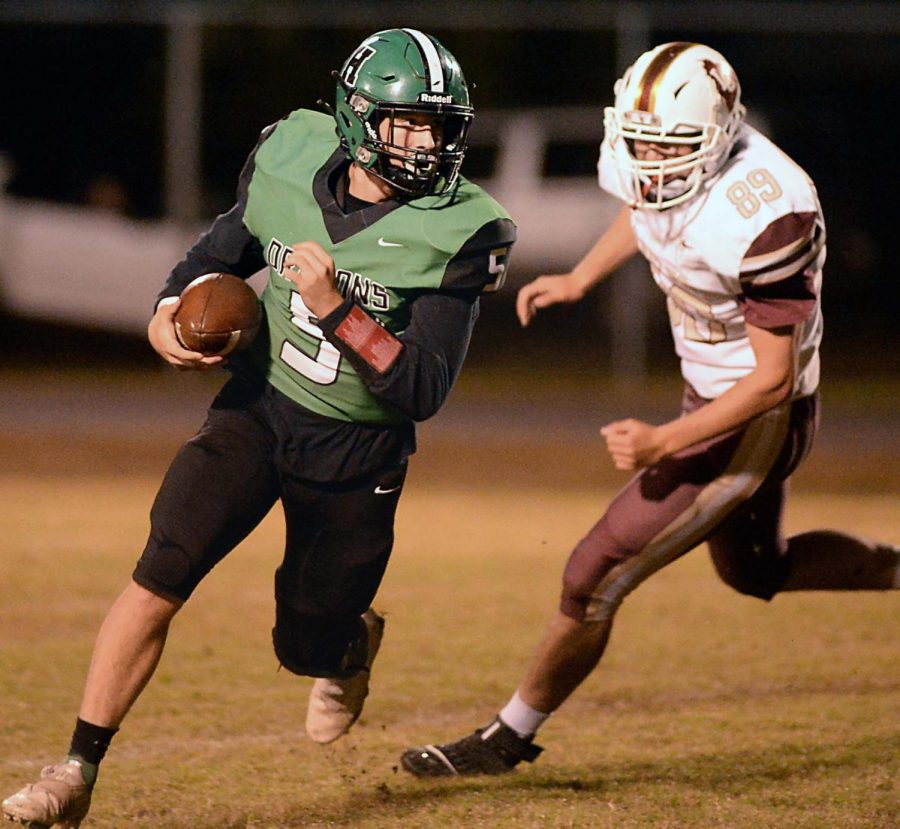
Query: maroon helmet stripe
654, 73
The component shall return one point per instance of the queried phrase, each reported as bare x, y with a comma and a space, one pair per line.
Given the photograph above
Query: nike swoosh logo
382, 243
380, 491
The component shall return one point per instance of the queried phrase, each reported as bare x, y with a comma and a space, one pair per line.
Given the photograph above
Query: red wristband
376, 345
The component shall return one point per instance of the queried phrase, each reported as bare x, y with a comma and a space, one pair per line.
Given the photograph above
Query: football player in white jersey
734, 234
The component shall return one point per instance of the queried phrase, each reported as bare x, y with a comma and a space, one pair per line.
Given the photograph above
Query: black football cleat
494, 749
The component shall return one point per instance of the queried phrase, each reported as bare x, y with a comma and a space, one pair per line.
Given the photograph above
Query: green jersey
386, 255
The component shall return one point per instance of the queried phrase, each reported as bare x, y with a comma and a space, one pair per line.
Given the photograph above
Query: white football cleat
60, 798
335, 704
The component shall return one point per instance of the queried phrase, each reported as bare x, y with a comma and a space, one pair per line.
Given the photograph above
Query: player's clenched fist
632, 444
311, 269
544, 291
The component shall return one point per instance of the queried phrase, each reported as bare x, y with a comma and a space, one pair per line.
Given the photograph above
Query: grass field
710, 709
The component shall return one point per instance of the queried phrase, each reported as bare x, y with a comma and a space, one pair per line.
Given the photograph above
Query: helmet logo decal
355, 63
431, 59
370, 131
726, 90
646, 97
430, 98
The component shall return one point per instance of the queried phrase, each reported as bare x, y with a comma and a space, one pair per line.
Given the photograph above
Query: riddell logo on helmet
432, 98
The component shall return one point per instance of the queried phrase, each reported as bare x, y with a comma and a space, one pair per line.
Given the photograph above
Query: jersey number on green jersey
323, 367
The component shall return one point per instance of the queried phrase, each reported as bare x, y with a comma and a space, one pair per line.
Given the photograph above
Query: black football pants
225, 480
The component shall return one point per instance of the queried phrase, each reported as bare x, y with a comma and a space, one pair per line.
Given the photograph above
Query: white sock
522, 718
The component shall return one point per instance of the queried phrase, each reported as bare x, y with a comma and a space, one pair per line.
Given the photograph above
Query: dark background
83, 103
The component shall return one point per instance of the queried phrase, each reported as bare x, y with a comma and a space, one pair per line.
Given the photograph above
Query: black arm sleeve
483, 260
228, 246
431, 355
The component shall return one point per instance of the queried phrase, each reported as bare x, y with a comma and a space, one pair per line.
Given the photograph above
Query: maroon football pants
729, 491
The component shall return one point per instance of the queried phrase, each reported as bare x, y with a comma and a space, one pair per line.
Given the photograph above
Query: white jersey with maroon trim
749, 247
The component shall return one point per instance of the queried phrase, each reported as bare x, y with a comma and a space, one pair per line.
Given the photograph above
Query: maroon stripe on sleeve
786, 302
784, 233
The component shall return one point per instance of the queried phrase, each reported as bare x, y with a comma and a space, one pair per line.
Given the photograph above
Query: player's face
651, 151
412, 133
660, 151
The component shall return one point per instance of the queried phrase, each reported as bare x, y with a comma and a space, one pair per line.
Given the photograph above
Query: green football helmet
402, 72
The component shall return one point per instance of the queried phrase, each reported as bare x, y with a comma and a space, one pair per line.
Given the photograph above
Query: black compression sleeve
417, 373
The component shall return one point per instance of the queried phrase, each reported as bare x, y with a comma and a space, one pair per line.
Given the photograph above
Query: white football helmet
675, 94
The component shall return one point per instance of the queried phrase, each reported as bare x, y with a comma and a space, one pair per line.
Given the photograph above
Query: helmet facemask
685, 104
413, 172
396, 75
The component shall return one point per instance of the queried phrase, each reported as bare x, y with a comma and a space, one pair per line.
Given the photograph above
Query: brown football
219, 314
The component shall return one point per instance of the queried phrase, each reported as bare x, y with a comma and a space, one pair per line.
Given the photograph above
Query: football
219, 314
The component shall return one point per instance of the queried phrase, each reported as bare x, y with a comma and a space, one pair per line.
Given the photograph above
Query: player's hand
544, 291
633, 444
161, 333
311, 269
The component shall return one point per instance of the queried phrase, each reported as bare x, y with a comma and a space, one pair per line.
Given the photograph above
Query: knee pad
319, 645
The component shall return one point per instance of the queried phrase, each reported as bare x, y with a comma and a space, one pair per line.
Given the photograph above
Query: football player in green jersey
377, 251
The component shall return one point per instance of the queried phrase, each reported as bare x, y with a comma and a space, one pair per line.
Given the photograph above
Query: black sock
90, 742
